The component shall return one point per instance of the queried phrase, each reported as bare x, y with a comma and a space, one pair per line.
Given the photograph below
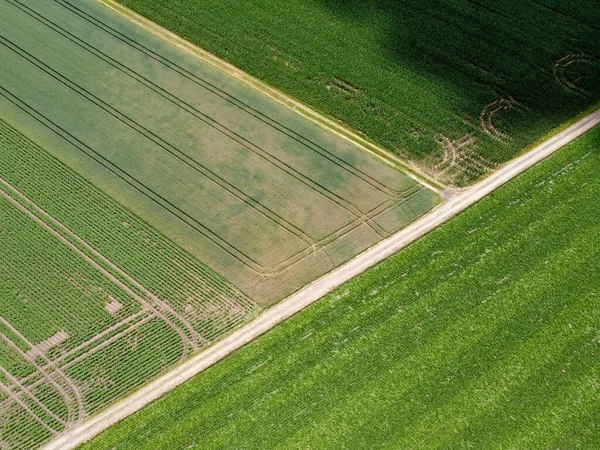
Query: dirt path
75, 412
314, 291
11, 395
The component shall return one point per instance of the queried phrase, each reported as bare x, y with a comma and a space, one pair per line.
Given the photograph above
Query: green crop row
126, 363
18, 430
167, 271
47, 287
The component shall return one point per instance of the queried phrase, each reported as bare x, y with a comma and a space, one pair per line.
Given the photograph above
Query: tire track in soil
76, 392
356, 171
15, 397
145, 304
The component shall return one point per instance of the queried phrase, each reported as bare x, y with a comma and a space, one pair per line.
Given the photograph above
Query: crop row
99, 377
192, 289
36, 268
19, 431
483, 334
49, 288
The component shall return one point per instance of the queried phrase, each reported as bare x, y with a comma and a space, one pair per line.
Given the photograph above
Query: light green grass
483, 334
408, 73
265, 197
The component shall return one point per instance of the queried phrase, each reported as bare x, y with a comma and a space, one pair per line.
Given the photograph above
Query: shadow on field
478, 78
544, 54
510, 71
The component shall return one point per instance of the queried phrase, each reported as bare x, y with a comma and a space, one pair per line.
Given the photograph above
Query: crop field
457, 87
149, 205
264, 197
483, 334
77, 327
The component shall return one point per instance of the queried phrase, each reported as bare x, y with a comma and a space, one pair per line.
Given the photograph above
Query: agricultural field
150, 204
263, 196
76, 330
457, 87
483, 334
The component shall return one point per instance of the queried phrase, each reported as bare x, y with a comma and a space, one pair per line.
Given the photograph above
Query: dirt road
314, 291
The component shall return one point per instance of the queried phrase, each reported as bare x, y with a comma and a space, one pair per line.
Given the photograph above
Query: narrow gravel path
314, 291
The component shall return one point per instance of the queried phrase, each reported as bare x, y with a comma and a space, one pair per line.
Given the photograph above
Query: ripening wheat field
263, 196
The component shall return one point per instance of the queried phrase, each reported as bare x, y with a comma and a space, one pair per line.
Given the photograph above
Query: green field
77, 330
456, 86
483, 334
150, 204
266, 198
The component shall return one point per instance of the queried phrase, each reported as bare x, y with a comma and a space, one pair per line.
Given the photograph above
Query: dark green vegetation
483, 334
428, 80
75, 332
263, 196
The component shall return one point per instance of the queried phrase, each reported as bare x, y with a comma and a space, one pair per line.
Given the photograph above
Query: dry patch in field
42, 347
113, 306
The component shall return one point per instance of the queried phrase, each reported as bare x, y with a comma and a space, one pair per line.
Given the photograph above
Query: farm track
75, 412
314, 291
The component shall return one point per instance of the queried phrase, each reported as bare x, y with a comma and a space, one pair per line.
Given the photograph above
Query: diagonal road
314, 291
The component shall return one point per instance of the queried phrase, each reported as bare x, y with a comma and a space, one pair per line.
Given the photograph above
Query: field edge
320, 118
313, 292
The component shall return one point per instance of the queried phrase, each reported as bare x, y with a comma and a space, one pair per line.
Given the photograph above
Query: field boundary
410, 169
363, 199
314, 291
312, 247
